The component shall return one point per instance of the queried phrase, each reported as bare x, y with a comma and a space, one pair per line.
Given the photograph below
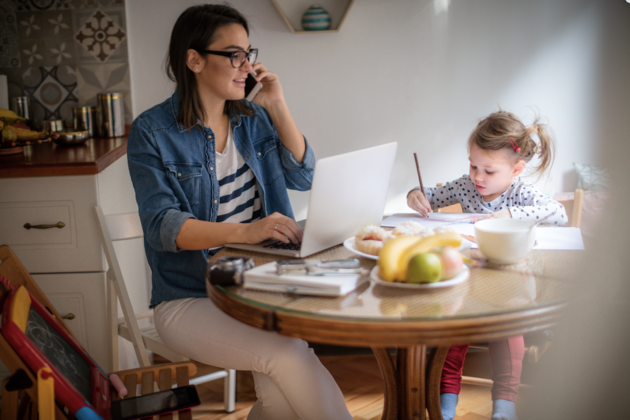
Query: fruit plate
460, 278
352, 246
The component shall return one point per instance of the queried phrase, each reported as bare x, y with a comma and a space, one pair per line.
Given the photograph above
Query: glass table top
541, 281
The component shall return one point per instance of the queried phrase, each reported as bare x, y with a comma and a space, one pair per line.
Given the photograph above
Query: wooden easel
23, 404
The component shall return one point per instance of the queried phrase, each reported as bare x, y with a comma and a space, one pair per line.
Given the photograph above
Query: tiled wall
62, 53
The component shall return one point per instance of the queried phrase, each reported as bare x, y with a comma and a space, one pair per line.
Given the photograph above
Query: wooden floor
360, 381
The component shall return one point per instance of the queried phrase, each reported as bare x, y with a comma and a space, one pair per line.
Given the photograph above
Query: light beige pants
291, 383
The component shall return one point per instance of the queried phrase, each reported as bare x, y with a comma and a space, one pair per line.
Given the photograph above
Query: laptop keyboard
281, 245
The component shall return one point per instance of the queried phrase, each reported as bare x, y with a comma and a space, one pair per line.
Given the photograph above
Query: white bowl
505, 241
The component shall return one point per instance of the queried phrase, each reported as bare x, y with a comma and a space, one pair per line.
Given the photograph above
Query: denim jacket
174, 177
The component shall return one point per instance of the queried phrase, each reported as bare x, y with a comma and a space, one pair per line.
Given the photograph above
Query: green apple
424, 268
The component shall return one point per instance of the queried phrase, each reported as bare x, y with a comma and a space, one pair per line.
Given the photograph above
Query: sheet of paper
434, 219
548, 238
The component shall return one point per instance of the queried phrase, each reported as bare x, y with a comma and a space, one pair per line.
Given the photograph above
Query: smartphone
162, 402
251, 87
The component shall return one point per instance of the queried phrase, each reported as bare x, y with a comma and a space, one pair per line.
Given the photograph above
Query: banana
10, 117
9, 134
423, 245
26, 134
390, 253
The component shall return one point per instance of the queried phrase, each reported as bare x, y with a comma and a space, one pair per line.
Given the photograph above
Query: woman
209, 168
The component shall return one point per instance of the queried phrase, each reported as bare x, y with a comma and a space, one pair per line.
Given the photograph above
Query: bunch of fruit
13, 130
413, 259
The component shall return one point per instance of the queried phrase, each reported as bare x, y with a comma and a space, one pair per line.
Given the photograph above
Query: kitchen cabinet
47, 199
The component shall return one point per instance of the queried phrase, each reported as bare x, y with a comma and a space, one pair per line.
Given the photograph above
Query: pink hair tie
514, 145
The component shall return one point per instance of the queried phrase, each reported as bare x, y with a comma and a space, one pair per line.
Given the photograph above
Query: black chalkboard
60, 353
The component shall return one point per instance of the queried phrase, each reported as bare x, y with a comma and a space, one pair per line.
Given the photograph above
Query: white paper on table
434, 220
548, 238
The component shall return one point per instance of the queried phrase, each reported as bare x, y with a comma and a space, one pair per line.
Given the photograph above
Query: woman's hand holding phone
271, 92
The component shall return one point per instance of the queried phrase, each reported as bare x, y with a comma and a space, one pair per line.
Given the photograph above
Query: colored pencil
415, 156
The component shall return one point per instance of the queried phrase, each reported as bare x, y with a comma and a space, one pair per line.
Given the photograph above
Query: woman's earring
196, 70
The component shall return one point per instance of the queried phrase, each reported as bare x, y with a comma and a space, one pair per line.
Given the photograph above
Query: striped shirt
239, 202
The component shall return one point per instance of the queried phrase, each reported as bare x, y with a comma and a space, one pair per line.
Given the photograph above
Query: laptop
348, 192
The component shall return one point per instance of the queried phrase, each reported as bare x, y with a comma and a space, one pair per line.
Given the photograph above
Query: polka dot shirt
524, 201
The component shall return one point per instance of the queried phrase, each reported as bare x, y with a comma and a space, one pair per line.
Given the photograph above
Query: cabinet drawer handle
70, 316
58, 225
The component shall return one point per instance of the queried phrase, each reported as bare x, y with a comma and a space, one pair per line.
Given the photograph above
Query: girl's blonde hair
495, 131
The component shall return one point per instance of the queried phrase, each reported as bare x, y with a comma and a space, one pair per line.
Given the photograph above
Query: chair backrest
454, 208
573, 207
118, 227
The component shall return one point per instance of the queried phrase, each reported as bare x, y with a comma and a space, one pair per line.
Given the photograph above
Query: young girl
499, 150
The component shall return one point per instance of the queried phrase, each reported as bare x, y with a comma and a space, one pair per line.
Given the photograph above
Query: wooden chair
573, 207
120, 227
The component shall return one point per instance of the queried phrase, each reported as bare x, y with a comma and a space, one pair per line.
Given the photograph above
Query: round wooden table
495, 302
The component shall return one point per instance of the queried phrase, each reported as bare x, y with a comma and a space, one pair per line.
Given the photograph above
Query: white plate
460, 278
352, 246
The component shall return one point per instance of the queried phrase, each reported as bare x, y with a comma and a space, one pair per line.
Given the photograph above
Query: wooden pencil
415, 156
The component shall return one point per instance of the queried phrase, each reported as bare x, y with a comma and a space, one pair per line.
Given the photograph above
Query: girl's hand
277, 226
417, 201
271, 92
501, 214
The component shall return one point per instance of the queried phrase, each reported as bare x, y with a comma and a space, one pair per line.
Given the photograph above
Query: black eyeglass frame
253, 52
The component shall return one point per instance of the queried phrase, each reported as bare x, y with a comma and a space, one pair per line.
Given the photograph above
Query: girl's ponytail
545, 148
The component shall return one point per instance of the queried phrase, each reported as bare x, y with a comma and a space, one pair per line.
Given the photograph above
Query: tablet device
80, 384
158, 403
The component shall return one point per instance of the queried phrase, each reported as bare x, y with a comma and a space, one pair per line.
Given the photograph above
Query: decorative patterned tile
32, 53
100, 36
30, 25
53, 92
46, 38
103, 77
9, 41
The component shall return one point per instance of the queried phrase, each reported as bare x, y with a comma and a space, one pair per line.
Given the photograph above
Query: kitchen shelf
292, 11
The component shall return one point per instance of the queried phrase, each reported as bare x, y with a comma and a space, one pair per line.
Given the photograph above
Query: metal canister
21, 105
84, 119
53, 125
110, 115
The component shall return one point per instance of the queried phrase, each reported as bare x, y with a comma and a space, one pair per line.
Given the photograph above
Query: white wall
420, 72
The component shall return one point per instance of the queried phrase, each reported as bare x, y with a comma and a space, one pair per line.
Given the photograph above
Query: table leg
388, 370
412, 385
434, 376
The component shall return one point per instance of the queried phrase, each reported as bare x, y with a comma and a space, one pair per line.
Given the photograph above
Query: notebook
265, 277
348, 192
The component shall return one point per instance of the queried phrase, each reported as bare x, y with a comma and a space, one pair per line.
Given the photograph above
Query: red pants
506, 357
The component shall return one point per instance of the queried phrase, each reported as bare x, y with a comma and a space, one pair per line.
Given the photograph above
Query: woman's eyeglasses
236, 57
